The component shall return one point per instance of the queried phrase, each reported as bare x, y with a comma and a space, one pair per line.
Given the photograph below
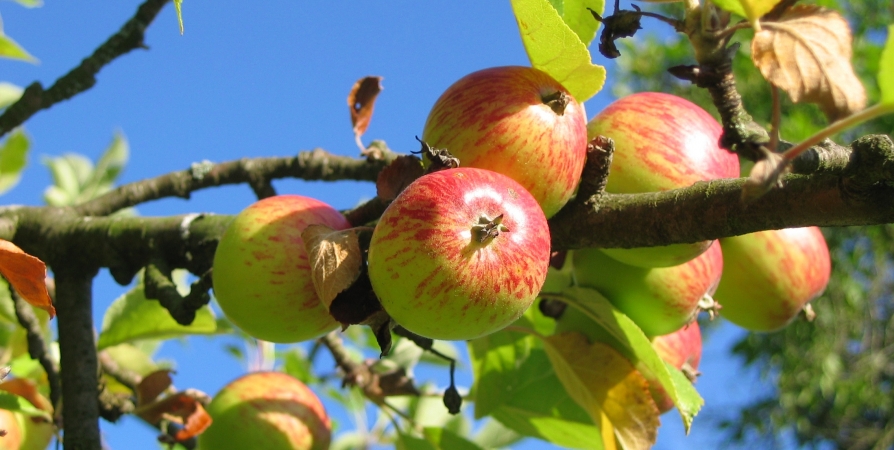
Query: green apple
662, 142
517, 121
266, 410
262, 279
660, 300
459, 254
770, 276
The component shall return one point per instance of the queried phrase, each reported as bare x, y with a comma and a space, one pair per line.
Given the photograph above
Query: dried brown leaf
361, 101
152, 385
178, 408
398, 175
807, 53
335, 259
27, 275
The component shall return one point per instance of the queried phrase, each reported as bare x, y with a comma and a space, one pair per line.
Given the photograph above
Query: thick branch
309, 165
77, 346
82, 77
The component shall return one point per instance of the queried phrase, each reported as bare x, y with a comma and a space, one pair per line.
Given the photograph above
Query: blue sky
249, 81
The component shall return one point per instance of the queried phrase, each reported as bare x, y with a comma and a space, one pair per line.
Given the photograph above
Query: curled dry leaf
335, 259
184, 408
396, 176
807, 53
361, 101
27, 275
153, 385
606, 385
765, 175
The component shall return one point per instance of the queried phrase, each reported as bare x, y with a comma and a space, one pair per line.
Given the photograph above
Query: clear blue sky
249, 81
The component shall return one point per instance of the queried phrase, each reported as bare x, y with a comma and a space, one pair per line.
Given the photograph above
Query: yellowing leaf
178, 6
27, 275
554, 48
334, 257
606, 385
807, 54
10, 49
886, 69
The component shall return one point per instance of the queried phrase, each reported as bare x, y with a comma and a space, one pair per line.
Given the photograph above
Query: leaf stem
853, 120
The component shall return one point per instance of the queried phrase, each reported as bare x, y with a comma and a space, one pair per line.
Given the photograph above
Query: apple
261, 274
681, 349
459, 254
266, 410
660, 300
662, 142
770, 276
517, 121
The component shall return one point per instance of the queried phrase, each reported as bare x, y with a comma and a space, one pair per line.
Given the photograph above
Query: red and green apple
662, 142
266, 410
459, 254
660, 300
261, 273
770, 275
517, 121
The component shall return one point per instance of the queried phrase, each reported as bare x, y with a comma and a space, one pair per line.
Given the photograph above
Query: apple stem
488, 229
557, 101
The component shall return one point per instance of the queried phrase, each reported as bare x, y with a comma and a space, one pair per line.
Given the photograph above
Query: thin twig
82, 77
37, 346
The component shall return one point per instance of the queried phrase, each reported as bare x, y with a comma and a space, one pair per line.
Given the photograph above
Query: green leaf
494, 434
9, 94
13, 158
886, 69
578, 18
555, 48
631, 342
69, 172
733, 6
18, 403
410, 442
516, 385
30, 3
178, 7
12, 50
108, 168
132, 317
445, 439
749, 9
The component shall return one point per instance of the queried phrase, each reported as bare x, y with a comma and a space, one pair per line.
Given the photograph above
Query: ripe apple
266, 410
517, 121
662, 142
770, 276
681, 349
660, 300
262, 277
459, 254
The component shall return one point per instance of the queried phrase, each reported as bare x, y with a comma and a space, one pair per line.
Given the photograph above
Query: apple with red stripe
266, 410
517, 121
659, 300
459, 254
770, 276
261, 273
662, 142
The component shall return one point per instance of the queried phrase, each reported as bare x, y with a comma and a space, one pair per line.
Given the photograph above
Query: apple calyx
557, 101
487, 229
709, 305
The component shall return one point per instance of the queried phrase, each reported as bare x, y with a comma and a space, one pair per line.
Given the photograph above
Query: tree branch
316, 164
82, 77
37, 347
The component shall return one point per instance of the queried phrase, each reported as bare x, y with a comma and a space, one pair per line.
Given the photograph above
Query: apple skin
497, 119
24, 432
261, 275
266, 410
660, 300
770, 276
682, 347
662, 142
432, 274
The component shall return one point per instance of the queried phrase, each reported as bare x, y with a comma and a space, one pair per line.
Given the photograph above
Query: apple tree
557, 352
